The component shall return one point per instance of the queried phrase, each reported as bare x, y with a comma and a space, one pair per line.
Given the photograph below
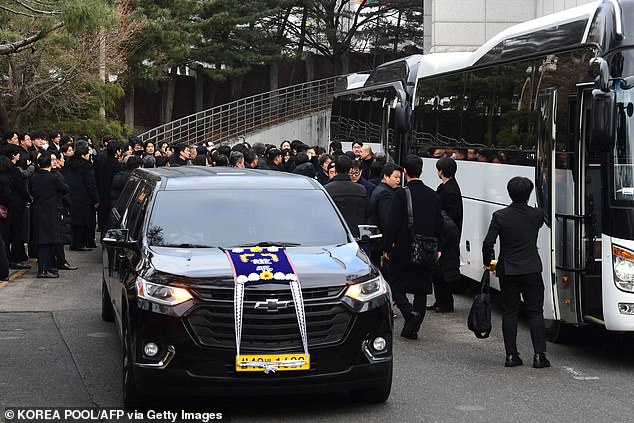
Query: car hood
315, 266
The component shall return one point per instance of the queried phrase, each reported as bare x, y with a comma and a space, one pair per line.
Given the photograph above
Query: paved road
56, 351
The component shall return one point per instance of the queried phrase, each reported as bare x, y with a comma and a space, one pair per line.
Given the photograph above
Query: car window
126, 194
133, 219
230, 218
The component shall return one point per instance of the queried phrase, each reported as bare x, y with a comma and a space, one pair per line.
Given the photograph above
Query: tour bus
375, 107
550, 100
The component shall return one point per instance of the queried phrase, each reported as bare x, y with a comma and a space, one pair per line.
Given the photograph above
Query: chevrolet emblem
272, 305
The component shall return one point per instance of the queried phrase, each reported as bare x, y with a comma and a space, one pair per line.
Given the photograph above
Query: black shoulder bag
423, 250
479, 320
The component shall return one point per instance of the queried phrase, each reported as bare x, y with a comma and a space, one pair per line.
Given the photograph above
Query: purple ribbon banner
259, 265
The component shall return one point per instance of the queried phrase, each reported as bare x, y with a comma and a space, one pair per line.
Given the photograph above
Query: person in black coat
80, 177
109, 168
14, 242
406, 277
381, 204
448, 273
65, 227
6, 199
322, 169
351, 198
47, 190
519, 269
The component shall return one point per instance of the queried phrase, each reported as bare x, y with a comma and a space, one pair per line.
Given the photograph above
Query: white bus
550, 100
375, 107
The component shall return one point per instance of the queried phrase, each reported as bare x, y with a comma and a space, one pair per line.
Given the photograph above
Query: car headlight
623, 261
365, 291
161, 294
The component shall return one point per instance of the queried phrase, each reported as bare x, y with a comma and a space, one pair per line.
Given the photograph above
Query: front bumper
195, 369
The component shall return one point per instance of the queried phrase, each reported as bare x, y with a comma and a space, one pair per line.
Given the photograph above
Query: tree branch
17, 46
16, 12
32, 9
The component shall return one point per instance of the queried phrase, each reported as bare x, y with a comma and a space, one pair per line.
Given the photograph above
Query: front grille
212, 322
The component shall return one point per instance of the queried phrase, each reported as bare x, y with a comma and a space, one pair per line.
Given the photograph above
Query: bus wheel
558, 331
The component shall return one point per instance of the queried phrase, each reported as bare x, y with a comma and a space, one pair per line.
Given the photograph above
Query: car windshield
219, 218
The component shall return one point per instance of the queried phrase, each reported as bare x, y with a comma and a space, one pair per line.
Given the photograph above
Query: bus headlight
161, 294
623, 261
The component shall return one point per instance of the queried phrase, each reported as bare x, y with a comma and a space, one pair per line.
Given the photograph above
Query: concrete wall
464, 25
312, 130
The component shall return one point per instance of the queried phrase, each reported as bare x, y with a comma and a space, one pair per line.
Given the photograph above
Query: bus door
546, 191
590, 207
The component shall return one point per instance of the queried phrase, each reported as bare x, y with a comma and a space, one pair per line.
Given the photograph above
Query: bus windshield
623, 154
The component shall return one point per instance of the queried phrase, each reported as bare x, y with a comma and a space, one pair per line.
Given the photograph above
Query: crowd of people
58, 190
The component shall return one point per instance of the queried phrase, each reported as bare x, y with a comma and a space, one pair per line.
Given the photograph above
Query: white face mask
45, 146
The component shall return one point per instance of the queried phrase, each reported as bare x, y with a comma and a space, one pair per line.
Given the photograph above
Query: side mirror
369, 233
603, 126
117, 238
600, 71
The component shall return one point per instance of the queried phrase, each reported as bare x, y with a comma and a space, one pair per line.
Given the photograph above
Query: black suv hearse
169, 283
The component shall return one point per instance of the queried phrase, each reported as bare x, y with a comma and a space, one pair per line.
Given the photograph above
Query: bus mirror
603, 121
600, 71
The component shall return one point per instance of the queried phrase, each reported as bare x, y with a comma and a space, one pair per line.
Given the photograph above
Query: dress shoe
81, 249
67, 266
513, 360
19, 266
412, 323
540, 361
48, 275
54, 270
432, 307
443, 309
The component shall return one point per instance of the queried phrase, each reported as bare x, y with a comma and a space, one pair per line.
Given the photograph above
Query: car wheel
107, 313
376, 394
131, 396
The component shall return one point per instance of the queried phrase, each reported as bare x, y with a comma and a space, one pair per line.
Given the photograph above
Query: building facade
464, 25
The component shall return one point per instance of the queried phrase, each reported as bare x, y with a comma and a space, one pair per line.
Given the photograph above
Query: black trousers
442, 289
531, 287
4, 262
59, 256
44, 258
403, 304
17, 253
82, 235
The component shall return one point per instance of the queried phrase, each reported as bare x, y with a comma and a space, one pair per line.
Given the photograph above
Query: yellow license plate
281, 362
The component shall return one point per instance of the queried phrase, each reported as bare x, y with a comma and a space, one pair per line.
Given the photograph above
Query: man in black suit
406, 277
381, 204
519, 269
451, 203
351, 198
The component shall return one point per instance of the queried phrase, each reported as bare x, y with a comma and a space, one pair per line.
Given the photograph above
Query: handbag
479, 320
4, 212
423, 250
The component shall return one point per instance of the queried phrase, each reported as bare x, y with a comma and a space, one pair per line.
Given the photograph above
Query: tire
132, 399
107, 313
377, 394
558, 332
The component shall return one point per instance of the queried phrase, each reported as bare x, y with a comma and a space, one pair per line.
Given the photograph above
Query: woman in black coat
84, 199
406, 277
47, 190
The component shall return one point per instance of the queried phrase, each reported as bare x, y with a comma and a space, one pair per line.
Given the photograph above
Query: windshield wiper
269, 244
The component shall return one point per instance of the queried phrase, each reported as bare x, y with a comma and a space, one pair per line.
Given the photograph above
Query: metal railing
229, 121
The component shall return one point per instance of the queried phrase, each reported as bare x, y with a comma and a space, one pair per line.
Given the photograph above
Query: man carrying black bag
406, 276
519, 269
